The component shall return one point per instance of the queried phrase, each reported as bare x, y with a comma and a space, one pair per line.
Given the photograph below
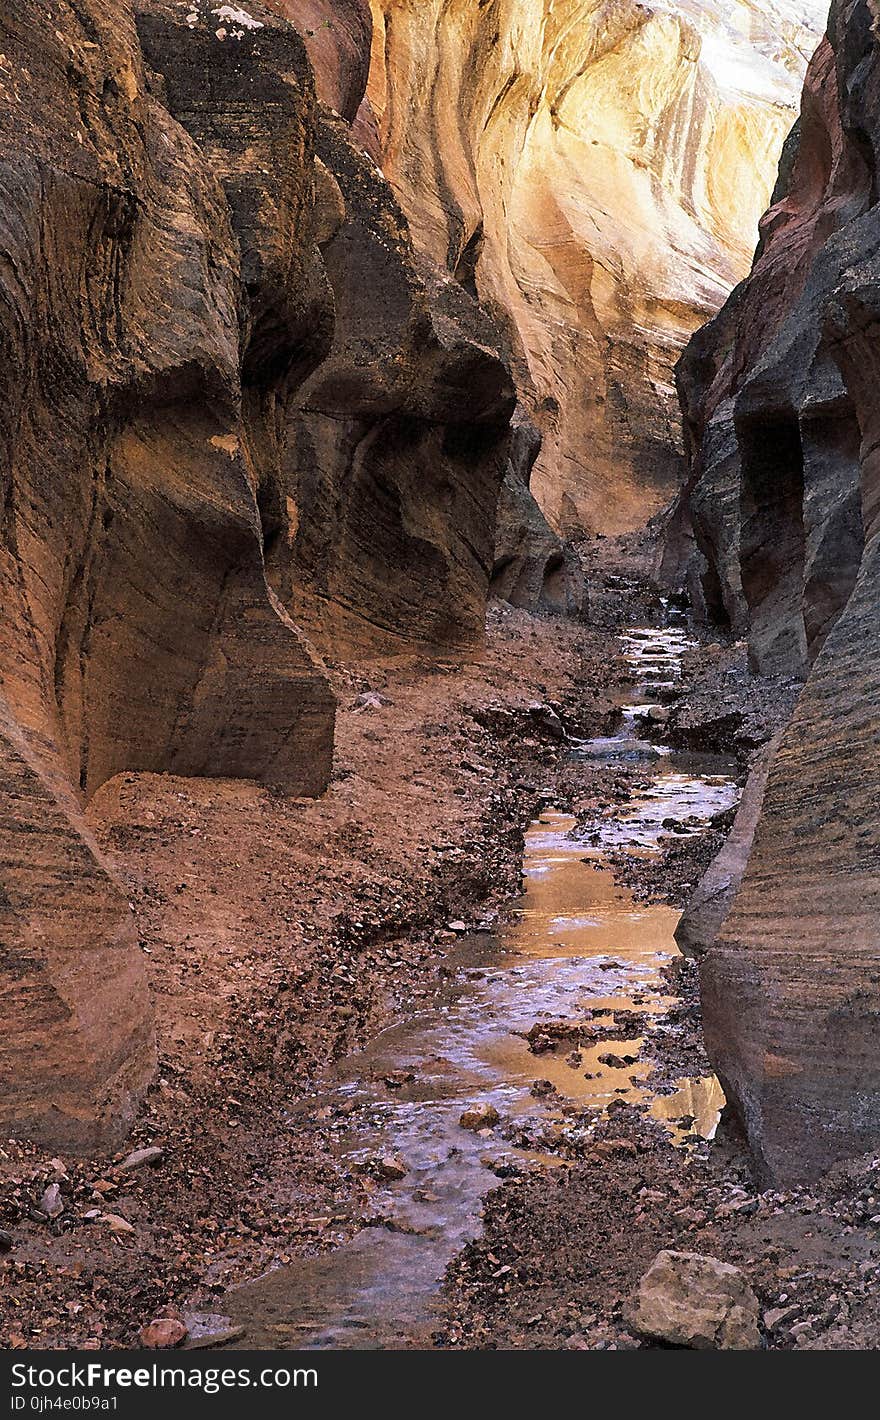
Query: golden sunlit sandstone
595, 171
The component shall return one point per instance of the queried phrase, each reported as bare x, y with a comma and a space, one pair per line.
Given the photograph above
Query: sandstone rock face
397, 444
229, 390
136, 287
782, 409
534, 567
594, 170
685, 1299
715, 892
338, 36
383, 532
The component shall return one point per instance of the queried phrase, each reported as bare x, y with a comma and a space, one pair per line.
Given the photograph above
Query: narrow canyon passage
540, 1026
439, 674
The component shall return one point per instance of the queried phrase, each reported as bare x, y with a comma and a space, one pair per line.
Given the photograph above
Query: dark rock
397, 444
534, 568
780, 399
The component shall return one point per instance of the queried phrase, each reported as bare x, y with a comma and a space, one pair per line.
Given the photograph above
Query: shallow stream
577, 949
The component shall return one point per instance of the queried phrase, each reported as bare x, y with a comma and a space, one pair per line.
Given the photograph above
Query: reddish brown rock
398, 442
338, 36
206, 424
157, 295
781, 399
163, 1334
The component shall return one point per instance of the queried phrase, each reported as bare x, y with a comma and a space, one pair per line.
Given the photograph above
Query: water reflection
538, 1002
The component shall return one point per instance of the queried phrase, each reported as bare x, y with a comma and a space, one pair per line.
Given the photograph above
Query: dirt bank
562, 1251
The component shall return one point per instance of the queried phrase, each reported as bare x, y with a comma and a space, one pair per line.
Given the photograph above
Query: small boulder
479, 1116
686, 1299
163, 1333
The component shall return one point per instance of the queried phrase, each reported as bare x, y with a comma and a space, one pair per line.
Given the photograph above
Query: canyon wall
782, 410
595, 171
231, 394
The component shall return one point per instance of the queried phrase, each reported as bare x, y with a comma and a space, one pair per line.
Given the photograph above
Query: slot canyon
439, 889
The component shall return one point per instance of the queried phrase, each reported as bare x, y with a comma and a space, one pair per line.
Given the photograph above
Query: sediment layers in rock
780, 395
534, 568
595, 170
165, 196
138, 629
398, 443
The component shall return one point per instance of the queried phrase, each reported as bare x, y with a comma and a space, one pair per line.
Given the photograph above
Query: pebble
116, 1223
479, 1116
392, 1167
542, 1088
140, 1157
396, 1079
778, 1316
51, 1203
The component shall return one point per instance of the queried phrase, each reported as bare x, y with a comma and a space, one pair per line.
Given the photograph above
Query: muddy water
578, 949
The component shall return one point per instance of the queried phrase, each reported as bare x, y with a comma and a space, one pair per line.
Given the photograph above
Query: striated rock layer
229, 391
780, 395
595, 170
138, 299
397, 444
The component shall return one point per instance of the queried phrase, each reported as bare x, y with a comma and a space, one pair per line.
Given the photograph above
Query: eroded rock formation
139, 309
595, 170
398, 442
170, 459
534, 567
780, 396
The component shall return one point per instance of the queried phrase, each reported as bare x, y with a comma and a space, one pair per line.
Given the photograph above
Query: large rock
397, 444
338, 35
229, 390
784, 421
594, 170
534, 567
685, 1299
714, 894
159, 289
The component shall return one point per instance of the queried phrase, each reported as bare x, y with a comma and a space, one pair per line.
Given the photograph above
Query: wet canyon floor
541, 1026
308, 958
